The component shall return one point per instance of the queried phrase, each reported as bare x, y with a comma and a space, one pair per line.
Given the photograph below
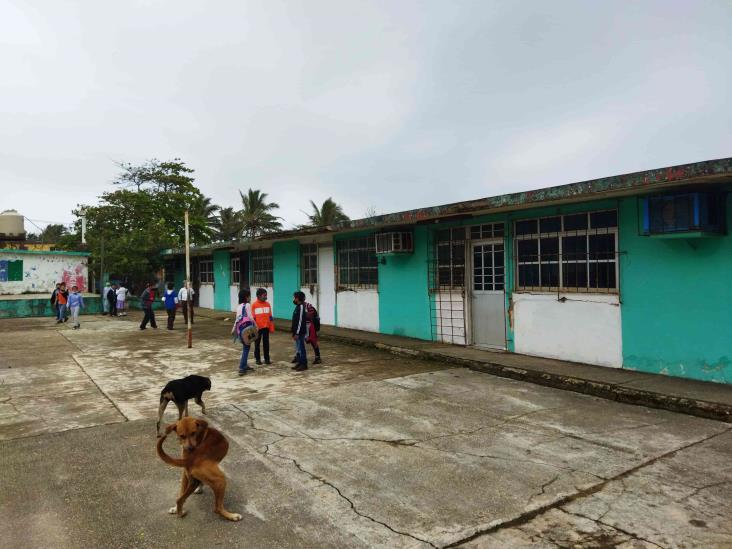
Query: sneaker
268, 362
259, 362
317, 360
295, 367
243, 372
141, 328
301, 368
294, 360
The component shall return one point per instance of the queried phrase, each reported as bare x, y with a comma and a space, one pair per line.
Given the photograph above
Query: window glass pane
475, 233
575, 222
528, 250
527, 226
443, 253
498, 230
602, 275
458, 277
550, 249
574, 275
550, 275
599, 220
498, 257
458, 253
574, 247
528, 275
550, 225
602, 246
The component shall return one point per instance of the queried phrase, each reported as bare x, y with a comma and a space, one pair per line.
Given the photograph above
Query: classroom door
488, 300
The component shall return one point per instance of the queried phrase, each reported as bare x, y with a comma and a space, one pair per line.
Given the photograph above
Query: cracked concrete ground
367, 450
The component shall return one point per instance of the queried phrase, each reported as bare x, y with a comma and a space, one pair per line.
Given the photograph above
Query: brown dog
203, 449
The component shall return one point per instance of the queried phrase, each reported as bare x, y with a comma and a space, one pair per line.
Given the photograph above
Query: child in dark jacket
299, 330
147, 299
170, 298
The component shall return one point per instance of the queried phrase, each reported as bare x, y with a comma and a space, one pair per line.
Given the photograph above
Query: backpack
314, 317
245, 330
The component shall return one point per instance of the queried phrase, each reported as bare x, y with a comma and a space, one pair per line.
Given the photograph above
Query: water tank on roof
11, 226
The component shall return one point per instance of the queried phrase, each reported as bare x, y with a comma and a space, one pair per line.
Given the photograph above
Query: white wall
584, 328
311, 298
326, 285
450, 317
233, 297
206, 296
42, 271
359, 310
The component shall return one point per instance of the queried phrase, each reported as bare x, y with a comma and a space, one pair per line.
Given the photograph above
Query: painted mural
38, 272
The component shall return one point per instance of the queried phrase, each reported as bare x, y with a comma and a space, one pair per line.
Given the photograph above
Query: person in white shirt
185, 297
122, 300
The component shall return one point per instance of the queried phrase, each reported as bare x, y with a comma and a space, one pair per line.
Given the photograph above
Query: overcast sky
390, 104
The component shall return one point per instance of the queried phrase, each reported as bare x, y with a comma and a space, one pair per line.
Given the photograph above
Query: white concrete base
584, 328
206, 296
358, 310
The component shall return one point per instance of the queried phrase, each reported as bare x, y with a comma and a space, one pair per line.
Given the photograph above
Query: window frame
235, 270
262, 267
559, 258
205, 275
350, 256
308, 264
454, 264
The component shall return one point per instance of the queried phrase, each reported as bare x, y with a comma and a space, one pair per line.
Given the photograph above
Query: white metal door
487, 305
326, 285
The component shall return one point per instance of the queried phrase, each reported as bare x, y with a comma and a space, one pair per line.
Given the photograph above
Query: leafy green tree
228, 225
257, 214
144, 217
329, 213
52, 233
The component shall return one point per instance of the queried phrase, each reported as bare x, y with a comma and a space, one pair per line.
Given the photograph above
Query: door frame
470, 295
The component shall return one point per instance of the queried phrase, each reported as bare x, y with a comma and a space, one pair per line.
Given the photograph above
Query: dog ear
171, 427
201, 425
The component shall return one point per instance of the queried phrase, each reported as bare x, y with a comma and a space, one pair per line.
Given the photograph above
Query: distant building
29, 272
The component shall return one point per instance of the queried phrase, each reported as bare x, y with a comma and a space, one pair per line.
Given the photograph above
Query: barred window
450, 252
357, 266
308, 264
576, 252
206, 271
262, 267
235, 270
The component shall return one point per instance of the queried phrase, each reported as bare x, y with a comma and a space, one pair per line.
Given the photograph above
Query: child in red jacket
262, 311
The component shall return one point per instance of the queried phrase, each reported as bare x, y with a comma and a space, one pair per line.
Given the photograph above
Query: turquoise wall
41, 306
286, 265
222, 280
404, 300
676, 301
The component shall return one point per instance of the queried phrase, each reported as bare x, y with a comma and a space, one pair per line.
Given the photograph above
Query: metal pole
101, 268
189, 301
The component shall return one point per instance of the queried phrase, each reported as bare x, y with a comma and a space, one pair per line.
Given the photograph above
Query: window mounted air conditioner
683, 215
401, 242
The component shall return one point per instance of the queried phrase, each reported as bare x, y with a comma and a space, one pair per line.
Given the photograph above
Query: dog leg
210, 474
201, 404
188, 485
181, 410
161, 410
185, 413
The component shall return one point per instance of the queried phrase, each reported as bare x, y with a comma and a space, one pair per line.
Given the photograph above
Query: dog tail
175, 462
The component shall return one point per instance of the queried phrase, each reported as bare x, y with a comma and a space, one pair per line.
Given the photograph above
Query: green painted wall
404, 301
286, 265
677, 301
222, 280
41, 306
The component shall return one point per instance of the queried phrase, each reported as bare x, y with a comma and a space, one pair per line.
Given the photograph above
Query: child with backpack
244, 329
170, 298
313, 327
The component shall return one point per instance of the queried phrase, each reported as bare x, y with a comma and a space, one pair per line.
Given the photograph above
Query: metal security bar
446, 279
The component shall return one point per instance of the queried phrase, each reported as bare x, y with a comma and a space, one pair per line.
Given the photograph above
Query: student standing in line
244, 320
111, 297
299, 330
185, 297
105, 301
170, 298
62, 299
147, 299
265, 324
76, 303
122, 300
54, 301
313, 325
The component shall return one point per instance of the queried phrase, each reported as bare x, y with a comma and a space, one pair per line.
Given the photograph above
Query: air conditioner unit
683, 214
401, 242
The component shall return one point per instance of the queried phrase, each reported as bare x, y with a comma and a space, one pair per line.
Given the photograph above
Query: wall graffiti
38, 272
75, 276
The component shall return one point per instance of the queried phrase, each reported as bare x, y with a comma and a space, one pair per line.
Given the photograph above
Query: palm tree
329, 213
256, 214
229, 225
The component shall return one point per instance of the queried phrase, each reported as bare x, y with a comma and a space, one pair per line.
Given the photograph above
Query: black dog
179, 391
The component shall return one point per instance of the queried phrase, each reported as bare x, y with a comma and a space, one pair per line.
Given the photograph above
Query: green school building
631, 271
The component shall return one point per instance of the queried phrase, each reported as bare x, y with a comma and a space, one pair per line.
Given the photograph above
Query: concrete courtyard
366, 450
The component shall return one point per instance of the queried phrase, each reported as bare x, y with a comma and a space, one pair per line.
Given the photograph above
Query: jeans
62, 311
264, 340
149, 316
243, 360
75, 315
105, 305
302, 357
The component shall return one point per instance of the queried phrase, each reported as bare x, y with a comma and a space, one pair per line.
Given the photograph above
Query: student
111, 297
147, 299
265, 324
76, 302
105, 301
170, 298
62, 299
299, 331
185, 297
243, 319
54, 301
122, 300
313, 322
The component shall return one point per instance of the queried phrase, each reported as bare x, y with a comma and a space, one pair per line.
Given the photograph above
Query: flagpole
189, 301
